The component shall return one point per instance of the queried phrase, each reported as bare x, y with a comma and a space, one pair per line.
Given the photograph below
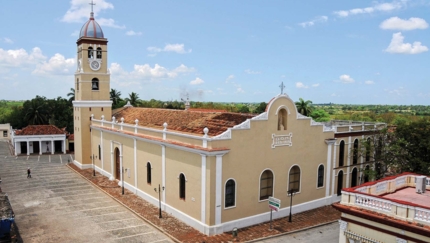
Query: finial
282, 86
92, 10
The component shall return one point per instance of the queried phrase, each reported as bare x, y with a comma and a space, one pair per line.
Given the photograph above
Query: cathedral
216, 170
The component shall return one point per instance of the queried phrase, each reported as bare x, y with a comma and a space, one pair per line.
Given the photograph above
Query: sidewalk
181, 232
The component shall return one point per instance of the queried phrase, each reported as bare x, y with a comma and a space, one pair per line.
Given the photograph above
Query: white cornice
92, 103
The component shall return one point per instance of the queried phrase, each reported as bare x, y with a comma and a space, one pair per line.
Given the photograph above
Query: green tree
115, 97
261, 108
243, 109
36, 111
304, 107
71, 95
133, 98
320, 115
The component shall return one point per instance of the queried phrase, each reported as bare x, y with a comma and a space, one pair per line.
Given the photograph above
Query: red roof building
39, 139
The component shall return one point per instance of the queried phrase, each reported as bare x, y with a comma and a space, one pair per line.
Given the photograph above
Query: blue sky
349, 52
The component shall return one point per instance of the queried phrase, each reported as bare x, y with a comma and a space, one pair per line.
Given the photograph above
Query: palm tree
71, 94
133, 98
304, 107
36, 111
115, 97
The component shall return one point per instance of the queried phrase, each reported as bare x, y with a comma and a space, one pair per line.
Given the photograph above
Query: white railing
373, 202
381, 187
422, 214
400, 181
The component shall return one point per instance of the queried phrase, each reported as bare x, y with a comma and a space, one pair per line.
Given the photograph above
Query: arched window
77, 84
355, 152
95, 84
182, 186
100, 152
90, 52
368, 150
294, 179
99, 53
378, 150
282, 119
341, 152
354, 175
266, 185
339, 183
320, 176
230, 193
148, 173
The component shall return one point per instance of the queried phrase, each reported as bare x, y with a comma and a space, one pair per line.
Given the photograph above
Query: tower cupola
91, 28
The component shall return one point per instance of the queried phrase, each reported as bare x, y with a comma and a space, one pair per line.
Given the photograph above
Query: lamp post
159, 199
291, 192
94, 168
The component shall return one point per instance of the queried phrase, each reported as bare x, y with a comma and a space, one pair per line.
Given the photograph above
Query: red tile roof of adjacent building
183, 121
71, 137
39, 130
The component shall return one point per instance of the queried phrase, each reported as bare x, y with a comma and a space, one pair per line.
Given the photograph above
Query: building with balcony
393, 209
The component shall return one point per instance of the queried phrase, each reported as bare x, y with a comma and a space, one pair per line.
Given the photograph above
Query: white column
218, 187
328, 167
334, 171
135, 166
52, 146
40, 147
343, 225
203, 190
348, 161
16, 148
163, 171
64, 145
28, 147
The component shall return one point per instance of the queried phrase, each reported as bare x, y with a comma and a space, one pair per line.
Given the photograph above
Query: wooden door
117, 165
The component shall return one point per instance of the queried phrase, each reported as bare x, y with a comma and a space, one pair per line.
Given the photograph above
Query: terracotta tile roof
71, 137
183, 121
39, 130
166, 141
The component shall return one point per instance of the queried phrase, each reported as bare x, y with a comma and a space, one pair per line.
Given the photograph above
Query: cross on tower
92, 5
282, 86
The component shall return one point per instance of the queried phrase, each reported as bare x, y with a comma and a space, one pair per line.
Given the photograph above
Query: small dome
91, 29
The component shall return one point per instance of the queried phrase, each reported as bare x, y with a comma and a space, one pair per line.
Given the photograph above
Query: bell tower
92, 87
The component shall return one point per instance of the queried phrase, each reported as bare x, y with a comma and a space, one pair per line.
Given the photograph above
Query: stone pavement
183, 233
57, 205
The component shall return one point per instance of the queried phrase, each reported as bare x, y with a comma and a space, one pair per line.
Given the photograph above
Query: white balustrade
422, 214
381, 187
373, 202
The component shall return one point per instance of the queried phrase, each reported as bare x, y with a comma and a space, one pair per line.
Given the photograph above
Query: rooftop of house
189, 121
409, 196
39, 130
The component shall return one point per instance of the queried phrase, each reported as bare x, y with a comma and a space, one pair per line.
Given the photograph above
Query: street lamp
159, 199
291, 193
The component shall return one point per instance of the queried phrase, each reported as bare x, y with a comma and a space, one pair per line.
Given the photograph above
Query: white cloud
132, 33
398, 46
20, 57
377, 7
315, 85
300, 85
399, 91
109, 23
80, 10
249, 71
240, 90
396, 23
75, 33
346, 79
197, 81
319, 19
369, 82
57, 65
6, 40
178, 48
230, 77
145, 73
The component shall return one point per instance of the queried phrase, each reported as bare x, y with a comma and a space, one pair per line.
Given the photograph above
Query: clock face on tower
95, 65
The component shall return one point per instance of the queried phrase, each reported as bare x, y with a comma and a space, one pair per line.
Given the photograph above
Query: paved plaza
57, 205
